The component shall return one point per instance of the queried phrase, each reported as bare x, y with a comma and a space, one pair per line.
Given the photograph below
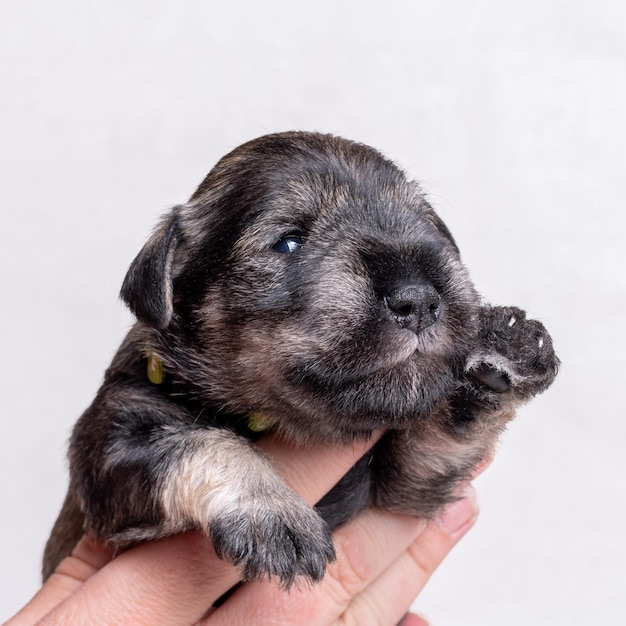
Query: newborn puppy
306, 287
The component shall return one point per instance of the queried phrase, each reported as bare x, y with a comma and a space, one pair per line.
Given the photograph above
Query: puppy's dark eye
288, 243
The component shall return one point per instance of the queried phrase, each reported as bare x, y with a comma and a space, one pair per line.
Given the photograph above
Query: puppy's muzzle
414, 306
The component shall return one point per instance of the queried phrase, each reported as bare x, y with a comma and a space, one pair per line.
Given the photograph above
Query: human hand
383, 562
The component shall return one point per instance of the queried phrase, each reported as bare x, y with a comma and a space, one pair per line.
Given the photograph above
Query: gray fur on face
309, 282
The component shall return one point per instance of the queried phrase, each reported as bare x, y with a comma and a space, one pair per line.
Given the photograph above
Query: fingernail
413, 619
458, 515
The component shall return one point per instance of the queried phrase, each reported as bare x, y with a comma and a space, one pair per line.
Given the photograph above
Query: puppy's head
306, 278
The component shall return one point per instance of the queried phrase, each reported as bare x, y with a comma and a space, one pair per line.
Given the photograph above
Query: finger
299, 464
170, 581
86, 559
175, 580
388, 598
365, 547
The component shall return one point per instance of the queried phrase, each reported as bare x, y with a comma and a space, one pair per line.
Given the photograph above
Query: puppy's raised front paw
287, 540
514, 353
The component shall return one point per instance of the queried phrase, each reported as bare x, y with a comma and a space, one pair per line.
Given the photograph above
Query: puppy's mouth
397, 350
357, 362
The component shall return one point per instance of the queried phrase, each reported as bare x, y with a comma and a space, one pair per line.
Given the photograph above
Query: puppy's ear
147, 288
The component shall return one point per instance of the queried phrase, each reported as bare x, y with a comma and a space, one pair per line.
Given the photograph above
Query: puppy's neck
257, 422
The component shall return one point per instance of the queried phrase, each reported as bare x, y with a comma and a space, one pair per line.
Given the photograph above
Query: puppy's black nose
414, 306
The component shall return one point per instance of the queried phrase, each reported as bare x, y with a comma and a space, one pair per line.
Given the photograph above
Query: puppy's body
307, 282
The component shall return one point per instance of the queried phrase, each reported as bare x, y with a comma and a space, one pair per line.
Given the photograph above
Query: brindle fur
373, 323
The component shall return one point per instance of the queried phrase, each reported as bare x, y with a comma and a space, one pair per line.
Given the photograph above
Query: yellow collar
155, 370
257, 422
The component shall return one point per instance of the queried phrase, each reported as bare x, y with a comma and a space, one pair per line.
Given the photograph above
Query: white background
512, 114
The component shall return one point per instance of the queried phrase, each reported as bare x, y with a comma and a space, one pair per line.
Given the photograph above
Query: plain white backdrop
511, 114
